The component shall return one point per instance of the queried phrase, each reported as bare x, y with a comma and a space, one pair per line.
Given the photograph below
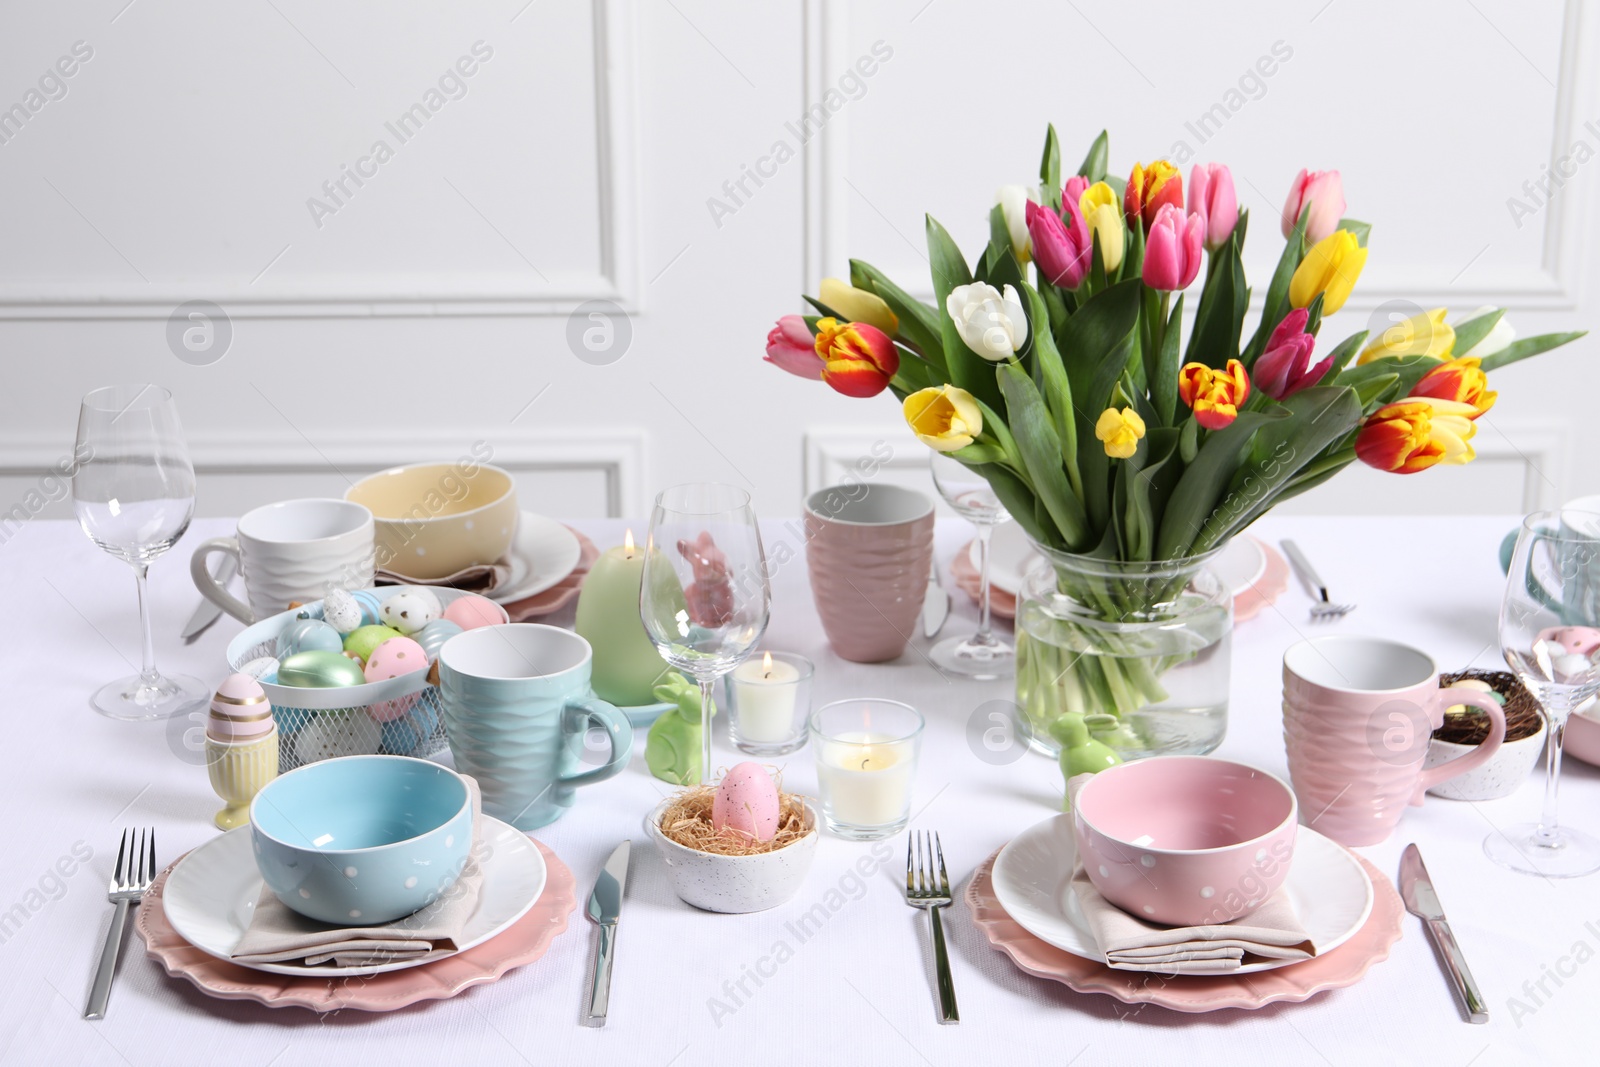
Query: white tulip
1013, 201
1497, 338
992, 324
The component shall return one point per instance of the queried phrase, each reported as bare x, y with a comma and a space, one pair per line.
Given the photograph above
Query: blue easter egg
308, 635
433, 636
370, 604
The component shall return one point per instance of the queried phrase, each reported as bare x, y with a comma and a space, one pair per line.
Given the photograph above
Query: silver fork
923, 891
1322, 609
136, 869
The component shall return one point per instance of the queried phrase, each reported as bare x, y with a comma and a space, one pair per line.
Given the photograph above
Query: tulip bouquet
1107, 433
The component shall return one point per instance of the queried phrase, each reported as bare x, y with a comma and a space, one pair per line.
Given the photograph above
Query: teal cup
517, 706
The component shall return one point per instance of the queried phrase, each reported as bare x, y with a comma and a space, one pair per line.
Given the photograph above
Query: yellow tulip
1331, 268
1423, 334
858, 305
1120, 431
1103, 213
943, 417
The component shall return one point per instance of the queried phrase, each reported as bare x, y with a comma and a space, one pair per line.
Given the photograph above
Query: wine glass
134, 496
982, 654
704, 597
1548, 633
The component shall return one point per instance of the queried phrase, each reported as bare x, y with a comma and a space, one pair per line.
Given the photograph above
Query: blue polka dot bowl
362, 840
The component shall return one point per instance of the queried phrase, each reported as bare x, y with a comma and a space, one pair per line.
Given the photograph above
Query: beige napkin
480, 578
278, 935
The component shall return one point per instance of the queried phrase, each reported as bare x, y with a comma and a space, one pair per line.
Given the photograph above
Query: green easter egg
363, 639
317, 669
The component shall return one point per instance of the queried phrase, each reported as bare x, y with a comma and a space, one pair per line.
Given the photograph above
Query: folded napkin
277, 934
480, 578
1271, 932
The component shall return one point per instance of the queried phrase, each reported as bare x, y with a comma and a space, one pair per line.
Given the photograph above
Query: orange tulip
1148, 189
858, 358
1460, 380
1215, 395
1413, 434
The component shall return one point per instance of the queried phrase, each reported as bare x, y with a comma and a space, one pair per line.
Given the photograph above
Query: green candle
626, 663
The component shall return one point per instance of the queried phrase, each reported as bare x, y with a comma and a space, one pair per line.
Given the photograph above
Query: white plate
212, 893
1331, 894
1010, 553
1240, 565
543, 553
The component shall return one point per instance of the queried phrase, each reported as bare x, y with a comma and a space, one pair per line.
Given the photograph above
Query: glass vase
1140, 650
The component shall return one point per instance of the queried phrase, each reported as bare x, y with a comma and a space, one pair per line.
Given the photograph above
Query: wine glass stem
1557, 708
706, 710
983, 636
148, 676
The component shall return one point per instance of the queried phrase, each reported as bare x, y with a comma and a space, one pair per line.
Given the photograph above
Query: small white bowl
1501, 776
735, 884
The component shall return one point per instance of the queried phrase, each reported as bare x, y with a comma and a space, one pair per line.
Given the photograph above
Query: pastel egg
407, 612
435, 605
370, 603
337, 733
433, 636
262, 669
341, 610
1577, 640
239, 710
395, 657
319, 669
364, 639
308, 635
471, 611
746, 802
1472, 683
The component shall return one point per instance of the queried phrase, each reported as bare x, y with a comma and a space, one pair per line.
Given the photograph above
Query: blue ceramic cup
517, 705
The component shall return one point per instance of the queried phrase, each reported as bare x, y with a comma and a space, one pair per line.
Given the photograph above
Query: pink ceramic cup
1185, 840
868, 548
1358, 713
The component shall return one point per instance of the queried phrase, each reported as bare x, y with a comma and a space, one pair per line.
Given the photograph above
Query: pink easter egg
394, 658
747, 801
1577, 640
239, 710
472, 611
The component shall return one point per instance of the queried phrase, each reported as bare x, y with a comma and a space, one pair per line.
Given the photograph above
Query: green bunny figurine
1080, 753
672, 751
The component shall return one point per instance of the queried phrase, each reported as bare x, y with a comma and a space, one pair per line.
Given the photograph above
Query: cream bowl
734, 884
434, 519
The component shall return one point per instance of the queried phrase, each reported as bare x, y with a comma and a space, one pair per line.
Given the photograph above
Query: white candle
764, 696
865, 778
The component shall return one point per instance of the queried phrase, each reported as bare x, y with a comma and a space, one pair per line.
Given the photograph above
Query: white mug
294, 550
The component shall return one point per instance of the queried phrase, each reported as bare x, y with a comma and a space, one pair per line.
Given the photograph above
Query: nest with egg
736, 826
1471, 726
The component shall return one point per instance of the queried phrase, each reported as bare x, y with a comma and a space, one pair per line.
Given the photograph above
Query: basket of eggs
357, 672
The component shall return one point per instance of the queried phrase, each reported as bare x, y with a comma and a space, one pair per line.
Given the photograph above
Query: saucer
212, 892
1331, 893
544, 553
526, 940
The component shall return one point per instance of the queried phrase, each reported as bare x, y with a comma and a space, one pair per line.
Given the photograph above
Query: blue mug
517, 705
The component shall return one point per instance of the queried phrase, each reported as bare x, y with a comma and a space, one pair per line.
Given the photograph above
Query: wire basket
399, 716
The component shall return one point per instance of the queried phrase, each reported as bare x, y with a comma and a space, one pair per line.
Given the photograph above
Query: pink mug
1358, 713
869, 548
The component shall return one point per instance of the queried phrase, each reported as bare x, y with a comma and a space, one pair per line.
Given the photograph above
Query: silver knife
1421, 900
605, 906
935, 603
208, 613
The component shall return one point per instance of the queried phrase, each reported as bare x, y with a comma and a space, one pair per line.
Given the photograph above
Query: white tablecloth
852, 990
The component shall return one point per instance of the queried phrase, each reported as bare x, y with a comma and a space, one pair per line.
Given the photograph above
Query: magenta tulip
1172, 251
1324, 191
1062, 249
1074, 188
791, 347
1211, 196
1285, 367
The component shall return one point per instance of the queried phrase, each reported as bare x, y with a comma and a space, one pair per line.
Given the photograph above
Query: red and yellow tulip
1416, 433
1149, 188
1461, 380
1215, 395
858, 358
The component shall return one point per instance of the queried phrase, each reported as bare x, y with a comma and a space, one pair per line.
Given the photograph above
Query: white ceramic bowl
735, 884
1502, 775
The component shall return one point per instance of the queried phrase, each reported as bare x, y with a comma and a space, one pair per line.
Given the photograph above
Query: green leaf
1359, 229
1195, 496
979, 453
1530, 346
1407, 372
1375, 392
1313, 317
1163, 372
1093, 166
826, 311
1055, 386
915, 372
1050, 161
1342, 355
1040, 448
1189, 441
1095, 345
966, 368
1020, 502
919, 323
1138, 483
1476, 329
1223, 302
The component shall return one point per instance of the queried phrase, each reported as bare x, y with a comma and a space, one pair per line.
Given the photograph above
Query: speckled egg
319, 669
408, 612
239, 710
262, 669
395, 657
308, 635
341, 610
746, 802
435, 605
366, 638
337, 733
433, 636
472, 611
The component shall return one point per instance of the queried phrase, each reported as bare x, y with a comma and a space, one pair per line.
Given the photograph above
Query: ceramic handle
210, 588
1491, 744
617, 728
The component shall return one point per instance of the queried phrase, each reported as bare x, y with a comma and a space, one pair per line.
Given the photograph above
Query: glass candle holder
769, 700
866, 751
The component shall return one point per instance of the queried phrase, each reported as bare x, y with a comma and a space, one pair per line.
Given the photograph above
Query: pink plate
523, 942
1341, 967
563, 592
1583, 736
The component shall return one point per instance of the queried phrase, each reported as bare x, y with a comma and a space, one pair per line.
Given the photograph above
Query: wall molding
423, 296
829, 454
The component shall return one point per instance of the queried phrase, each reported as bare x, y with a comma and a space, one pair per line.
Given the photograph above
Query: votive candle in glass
866, 752
769, 700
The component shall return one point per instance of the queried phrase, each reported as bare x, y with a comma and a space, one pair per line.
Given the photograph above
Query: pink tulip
1324, 191
1211, 196
1074, 188
791, 347
1172, 251
1062, 249
1283, 368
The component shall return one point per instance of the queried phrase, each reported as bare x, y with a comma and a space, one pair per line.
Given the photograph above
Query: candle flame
766, 664
627, 543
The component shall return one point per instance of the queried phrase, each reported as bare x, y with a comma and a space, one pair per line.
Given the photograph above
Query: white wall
432, 305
